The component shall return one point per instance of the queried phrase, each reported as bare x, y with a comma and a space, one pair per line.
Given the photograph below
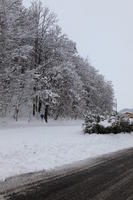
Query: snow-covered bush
113, 124
91, 122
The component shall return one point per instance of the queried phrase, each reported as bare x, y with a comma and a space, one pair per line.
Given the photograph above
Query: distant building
128, 115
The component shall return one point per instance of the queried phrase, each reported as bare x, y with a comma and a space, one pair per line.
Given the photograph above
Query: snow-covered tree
40, 69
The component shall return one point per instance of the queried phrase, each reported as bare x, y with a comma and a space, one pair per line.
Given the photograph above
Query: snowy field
27, 147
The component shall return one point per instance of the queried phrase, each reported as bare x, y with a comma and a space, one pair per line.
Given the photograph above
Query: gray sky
103, 31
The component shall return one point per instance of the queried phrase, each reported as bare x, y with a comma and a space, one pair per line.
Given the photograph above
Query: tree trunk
34, 108
46, 114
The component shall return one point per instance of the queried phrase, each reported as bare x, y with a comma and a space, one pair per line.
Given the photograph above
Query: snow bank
39, 146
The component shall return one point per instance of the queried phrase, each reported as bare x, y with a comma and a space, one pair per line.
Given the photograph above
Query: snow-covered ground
27, 147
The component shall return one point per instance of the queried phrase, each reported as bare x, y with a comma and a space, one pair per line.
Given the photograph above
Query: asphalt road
107, 178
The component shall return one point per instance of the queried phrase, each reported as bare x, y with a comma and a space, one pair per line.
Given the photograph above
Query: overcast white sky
103, 31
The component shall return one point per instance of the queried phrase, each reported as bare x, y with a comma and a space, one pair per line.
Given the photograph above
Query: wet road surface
106, 178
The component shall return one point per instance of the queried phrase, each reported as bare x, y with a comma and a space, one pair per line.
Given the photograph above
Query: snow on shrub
112, 124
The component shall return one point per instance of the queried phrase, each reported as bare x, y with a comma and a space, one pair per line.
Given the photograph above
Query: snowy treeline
40, 67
